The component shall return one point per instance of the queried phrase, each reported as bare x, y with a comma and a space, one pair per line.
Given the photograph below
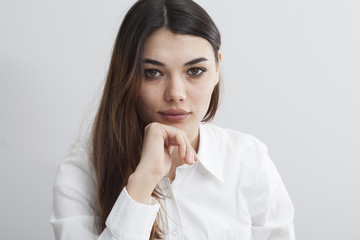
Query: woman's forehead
163, 45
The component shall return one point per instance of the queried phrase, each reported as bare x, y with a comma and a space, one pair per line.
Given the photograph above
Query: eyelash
199, 71
197, 75
148, 71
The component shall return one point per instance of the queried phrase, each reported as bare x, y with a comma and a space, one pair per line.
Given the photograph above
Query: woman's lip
174, 117
174, 114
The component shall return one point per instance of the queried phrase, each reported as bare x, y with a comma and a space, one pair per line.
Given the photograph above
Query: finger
177, 137
182, 146
190, 152
187, 155
171, 149
179, 142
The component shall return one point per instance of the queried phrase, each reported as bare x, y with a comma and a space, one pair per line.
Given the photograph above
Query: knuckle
151, 126
185, 135
155, 129
182, 132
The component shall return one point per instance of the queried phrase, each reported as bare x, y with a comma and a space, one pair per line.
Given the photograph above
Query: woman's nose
175, 90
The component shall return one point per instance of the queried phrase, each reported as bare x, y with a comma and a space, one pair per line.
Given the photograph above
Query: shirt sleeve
271, 209
73, 212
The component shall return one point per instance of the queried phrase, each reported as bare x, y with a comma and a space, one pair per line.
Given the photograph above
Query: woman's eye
151, 73
196, 71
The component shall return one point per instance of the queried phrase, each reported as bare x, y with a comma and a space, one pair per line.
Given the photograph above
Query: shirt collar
208, 153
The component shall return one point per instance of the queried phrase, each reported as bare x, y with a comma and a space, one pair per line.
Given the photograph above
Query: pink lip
174, 114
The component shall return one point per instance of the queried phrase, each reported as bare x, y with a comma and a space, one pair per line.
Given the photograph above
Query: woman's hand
155, 162
159, 143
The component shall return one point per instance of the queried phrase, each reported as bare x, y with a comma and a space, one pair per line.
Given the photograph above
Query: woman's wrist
141, 185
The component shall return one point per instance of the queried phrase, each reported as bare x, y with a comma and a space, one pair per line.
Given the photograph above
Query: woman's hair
118, 130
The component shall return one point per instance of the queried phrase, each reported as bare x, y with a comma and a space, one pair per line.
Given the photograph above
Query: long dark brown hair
118, 130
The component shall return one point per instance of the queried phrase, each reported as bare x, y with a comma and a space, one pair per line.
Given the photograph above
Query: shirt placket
174, 229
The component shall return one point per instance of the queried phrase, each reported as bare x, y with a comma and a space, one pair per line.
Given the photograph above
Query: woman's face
179, 78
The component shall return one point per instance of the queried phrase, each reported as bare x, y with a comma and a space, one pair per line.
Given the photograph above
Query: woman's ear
218, 67
218, 63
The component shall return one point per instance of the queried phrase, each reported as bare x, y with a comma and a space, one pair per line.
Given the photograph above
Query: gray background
290, 75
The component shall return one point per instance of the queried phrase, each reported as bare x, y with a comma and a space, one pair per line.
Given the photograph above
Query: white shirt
232, 192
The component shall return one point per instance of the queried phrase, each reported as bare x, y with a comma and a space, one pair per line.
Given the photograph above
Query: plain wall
291, 72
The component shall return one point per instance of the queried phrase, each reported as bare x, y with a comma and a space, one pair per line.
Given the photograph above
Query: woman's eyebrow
154, 62
157, 63
195, 61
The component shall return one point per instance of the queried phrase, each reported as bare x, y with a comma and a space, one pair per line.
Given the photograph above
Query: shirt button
174, 232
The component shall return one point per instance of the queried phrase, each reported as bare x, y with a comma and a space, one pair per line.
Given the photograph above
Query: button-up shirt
233, 192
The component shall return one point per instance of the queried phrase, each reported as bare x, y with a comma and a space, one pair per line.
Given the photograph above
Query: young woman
154, 167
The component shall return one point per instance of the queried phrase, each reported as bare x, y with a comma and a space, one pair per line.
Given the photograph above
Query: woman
154, 168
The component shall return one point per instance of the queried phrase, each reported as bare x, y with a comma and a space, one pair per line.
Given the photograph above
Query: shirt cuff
129, 219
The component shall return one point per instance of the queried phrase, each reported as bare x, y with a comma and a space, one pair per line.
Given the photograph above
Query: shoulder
237, 151
232, 139
244, 158
75, 170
